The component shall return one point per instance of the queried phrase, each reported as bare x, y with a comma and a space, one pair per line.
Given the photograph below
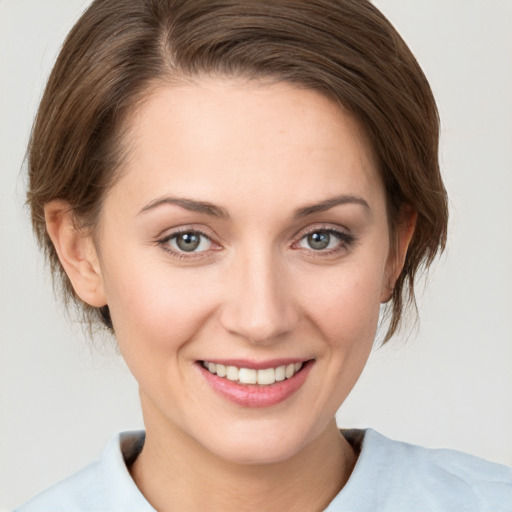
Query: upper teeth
250, 376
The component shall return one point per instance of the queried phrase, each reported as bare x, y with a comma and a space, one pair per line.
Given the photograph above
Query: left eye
190, 241
320, 240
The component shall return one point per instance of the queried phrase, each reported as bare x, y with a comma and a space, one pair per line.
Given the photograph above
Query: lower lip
253, 395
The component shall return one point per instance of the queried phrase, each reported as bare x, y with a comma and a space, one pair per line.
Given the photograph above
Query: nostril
259, 325
257, 305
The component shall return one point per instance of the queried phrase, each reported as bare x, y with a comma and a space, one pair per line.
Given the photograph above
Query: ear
76, 253
398, 253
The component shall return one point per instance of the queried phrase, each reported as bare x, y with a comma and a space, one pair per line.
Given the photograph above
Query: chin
268, 444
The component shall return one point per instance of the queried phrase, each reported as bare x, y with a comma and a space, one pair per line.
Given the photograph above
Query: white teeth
247, 376
232, 372
221, 370
280, 373
265, 377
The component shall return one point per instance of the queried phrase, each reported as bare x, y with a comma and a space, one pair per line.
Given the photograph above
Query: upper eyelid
322, 227
181, 231
169, 233
177, 233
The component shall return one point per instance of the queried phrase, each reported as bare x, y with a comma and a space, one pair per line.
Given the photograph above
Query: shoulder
403, 476
79, 492
450, 464
103, 486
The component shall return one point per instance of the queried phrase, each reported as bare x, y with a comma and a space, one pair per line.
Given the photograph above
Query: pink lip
253, 395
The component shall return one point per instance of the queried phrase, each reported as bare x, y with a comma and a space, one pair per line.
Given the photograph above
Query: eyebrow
188, 204
217, 211
327, 204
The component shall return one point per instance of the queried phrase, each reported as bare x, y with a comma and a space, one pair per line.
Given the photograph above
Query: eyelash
183, 255
346, 241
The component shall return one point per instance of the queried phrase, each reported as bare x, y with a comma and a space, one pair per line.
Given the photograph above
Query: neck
175, 473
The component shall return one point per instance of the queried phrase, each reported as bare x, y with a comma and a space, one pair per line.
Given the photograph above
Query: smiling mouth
250, 376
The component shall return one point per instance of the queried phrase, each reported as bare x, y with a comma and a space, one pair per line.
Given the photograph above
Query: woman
233, 189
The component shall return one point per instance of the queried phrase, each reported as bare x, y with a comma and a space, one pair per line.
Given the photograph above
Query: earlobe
395, 264
76, 253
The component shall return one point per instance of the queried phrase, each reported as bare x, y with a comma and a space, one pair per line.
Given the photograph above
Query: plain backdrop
448, 385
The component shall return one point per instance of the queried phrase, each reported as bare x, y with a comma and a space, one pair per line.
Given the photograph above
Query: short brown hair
345, 49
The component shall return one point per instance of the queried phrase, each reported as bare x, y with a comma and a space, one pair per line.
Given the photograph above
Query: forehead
223, 140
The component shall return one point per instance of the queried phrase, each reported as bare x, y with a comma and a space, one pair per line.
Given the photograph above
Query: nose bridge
259, 306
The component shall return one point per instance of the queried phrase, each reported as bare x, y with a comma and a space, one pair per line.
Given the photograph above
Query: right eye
188, 242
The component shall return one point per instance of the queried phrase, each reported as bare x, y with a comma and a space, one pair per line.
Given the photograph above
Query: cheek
155, 308
345, 305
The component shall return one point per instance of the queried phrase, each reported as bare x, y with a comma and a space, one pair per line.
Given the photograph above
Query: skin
255, 289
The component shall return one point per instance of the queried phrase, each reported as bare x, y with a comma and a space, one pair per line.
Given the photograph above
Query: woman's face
248, 230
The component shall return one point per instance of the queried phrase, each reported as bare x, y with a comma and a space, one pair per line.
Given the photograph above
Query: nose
259, 305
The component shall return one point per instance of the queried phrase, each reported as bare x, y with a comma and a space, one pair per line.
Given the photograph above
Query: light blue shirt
389, 476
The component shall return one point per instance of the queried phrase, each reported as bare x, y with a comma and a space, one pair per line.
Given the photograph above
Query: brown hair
345, 49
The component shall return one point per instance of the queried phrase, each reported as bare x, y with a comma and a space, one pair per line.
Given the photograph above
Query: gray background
449, 385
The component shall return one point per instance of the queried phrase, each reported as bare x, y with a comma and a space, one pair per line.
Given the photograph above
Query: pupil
319, 240
188, 241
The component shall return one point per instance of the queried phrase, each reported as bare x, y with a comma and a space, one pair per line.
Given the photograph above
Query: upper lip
258, 365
